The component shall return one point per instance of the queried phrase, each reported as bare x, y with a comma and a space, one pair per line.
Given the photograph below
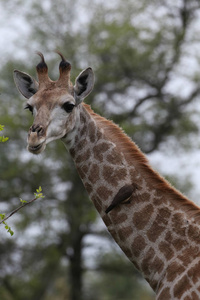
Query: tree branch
17, 209
38, 195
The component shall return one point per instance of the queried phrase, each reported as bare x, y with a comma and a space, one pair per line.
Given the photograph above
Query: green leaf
2, 138
10, 231
23, 201
38, 193
7, 227
2, 216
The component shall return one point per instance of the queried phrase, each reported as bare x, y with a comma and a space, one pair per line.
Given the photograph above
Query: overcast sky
13, 29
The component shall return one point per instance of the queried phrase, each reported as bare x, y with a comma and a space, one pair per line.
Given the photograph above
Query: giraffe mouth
37, 148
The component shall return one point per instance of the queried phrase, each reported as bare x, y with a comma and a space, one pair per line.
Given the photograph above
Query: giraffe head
54, 104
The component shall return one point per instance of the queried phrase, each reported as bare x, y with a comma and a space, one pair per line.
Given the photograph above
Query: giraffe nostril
37, 128
40, 129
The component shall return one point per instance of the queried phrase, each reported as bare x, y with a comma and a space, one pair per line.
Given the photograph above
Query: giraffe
156, 226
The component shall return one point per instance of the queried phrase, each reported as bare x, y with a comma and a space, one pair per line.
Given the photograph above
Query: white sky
13, 30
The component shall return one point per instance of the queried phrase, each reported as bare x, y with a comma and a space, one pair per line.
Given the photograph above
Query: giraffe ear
83, 85
26, 85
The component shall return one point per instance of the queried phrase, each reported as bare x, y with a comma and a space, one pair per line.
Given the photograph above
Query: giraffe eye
28, 106
68, 107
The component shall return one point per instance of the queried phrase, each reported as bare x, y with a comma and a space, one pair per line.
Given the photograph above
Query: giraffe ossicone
154, 224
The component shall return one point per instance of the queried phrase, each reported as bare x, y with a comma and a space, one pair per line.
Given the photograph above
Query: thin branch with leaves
5, 217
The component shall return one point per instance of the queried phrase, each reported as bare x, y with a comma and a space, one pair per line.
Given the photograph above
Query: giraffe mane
132, 153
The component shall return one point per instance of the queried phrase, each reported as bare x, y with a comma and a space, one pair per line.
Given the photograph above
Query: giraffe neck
158, 229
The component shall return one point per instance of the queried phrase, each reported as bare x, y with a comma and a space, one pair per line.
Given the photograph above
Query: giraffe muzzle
36, 144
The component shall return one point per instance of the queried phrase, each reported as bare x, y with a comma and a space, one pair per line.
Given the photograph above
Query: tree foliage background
146, 62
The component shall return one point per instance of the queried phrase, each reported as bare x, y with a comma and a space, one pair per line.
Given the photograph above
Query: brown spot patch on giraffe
97, 203
152, 263
83, 157
166, 249
99, 134
169, 237
114, 158
171, 273
159, 264
194, 273
82, 131
177, 224
181, 286
88, 187
133, 173
189, 254
113, 175
147, 262
125, 232
157, 201
81, 172
158, 226
92, 131
194, 296
194, 233
98, 207
188, 298
162, 217
179, 244
94, 173
145, 197
138, 245
153, 284
103, 192
107, 220
113, 232
82, 118
165, 294
164, 214
85, 169
81, 144
128, 252
141, 218
118, 218
99, 150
